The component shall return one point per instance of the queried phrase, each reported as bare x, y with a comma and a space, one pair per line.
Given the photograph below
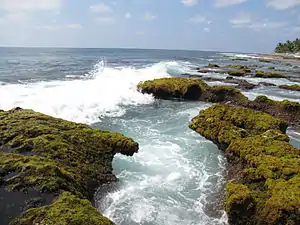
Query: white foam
103, 92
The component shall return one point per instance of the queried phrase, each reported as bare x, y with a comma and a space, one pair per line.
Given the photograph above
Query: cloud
241, 19
105, 20
282, 4
140, 33
258, 26
225, 3
30, 5
149, 17
100, 8
58, 27
296, 29
15, 18
198, 19
74, 26
189, 2
206, 29
246, 21
128, 15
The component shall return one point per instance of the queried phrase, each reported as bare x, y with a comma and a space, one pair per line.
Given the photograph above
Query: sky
218, 25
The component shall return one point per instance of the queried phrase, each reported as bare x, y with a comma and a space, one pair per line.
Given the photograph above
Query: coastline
283, 57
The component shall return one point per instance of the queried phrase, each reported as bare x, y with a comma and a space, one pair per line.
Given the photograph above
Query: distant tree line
288, 47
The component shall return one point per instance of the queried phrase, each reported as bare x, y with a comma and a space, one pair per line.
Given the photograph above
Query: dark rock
265, 168
264, 74
64, 157
170, 88
266, 84
293, 87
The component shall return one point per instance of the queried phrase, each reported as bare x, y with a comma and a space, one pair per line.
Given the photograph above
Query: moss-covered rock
266, 188
222, 94
224, 123
192, 89
294, 87
265, 60
213, 65
52, 155
239, 59
264, 74
287, 110
237, 73
167, 88
244, 68
239, 204
68, 209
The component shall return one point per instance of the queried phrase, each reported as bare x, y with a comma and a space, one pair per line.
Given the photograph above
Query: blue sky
224, 25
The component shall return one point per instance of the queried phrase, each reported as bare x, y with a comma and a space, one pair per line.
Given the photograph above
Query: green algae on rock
294, 87
243, 68
224, 123
167, 88
220, 94
265, 60
264, 74
236, 73
266, 190
68, 209
191, 89
196, 89
213, 65
53, 155
287, 110
239, 59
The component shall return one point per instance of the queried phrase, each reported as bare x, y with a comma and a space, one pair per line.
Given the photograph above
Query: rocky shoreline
264, 169
196, 89
264, 186
50, 168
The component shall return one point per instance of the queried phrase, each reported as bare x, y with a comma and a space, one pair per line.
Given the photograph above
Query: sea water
178, 176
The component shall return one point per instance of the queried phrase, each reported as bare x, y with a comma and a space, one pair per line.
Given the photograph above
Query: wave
104, 91
238, 55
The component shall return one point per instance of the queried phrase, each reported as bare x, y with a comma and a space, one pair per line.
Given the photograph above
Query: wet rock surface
265, 171
47, 158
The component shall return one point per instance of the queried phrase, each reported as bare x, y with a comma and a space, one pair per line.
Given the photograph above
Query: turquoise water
178, 176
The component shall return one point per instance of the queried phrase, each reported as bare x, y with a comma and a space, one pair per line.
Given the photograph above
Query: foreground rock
265, 178
195, 89
293, 87
50, 168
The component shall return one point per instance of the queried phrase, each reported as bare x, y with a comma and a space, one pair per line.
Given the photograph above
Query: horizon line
128, 48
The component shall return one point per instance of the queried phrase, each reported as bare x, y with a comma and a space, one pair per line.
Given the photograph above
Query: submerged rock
55, 156
267, 176
293, 87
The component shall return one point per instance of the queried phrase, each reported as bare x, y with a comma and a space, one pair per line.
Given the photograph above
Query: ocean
178, 177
